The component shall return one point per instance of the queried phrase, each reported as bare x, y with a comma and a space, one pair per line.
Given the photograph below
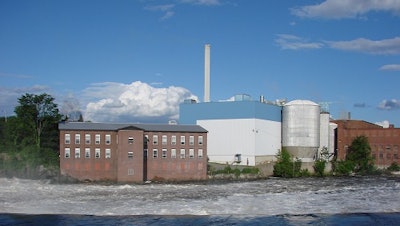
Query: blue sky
135, 61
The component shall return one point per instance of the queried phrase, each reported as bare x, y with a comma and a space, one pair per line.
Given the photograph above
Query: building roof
301, 102
129, 126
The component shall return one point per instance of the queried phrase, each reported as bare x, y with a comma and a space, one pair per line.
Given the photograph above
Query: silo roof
301, 102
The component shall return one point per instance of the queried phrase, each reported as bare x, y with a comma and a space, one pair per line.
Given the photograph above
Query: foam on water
259, 198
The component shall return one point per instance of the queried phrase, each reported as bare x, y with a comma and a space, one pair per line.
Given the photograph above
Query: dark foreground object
386, 219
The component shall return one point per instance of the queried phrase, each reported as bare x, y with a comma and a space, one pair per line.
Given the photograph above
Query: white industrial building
249, 132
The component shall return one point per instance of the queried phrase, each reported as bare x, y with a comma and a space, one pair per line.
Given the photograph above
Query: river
323, 201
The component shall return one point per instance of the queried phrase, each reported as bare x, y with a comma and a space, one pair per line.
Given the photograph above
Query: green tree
35, 113
286, 166
359, 154
320, 163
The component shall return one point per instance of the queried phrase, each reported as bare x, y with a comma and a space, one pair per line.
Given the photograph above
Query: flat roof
138, 126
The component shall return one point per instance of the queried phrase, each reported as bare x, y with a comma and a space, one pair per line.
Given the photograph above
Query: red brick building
133, 152
384, 142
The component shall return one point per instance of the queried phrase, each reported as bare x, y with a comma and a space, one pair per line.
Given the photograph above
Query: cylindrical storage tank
301, 129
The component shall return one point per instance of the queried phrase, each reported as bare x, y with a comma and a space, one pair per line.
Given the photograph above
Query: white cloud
337, 9
166, 9
392, 104
292, 42
384, 124
380, 47
390, 67
202, 2
135, 102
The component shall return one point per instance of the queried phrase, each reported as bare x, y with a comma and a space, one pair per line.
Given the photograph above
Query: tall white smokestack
207, 73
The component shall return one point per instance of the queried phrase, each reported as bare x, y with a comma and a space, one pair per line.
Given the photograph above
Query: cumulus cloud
379, 47
392, 104
293, 42
135, 102
384, 124
334, 9
390, 67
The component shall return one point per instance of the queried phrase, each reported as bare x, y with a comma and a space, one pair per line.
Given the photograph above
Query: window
130, 140
77, 153
130, 154
145, 151
173, 140
108, 153
155, 153
191, 153
108, 139
130, 172
87, 152
97, 153
164, 153
183, 153
164, 140
200, 140
173, 153
182, 140
97, 139
155, 139
67, 138
87, 138
191, 140
200, 153
67, 153
77, 138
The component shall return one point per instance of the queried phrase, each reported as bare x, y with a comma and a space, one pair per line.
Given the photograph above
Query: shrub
319, 167
394, 167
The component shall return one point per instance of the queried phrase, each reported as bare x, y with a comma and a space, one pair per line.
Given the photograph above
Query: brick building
133, 152
384, 142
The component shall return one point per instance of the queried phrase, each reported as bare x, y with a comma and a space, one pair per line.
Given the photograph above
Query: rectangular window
130, 140
155, 139
77, 138
164, 153
155, 153
191, 153
164, 140
77, 153
87, 152
182, 140
87, 138
173, 140
67, 153
130, 172
183, 152
191, 140
97, 153
67, 138
108, 153
130, 154
108, 139
200, 153
97, 139
173, 153
200, 140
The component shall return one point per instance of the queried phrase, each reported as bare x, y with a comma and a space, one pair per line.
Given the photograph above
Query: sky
137, 60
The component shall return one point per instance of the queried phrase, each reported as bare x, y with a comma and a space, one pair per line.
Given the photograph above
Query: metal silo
301, 129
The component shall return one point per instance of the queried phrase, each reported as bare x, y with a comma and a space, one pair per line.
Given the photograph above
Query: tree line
30, 138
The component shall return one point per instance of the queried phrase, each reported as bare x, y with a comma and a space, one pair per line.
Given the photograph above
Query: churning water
323, 201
